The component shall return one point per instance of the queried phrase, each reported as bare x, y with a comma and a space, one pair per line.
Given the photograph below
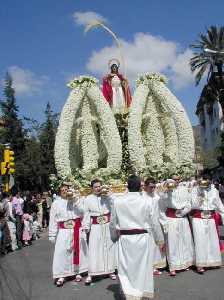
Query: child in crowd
27, 229
36, 228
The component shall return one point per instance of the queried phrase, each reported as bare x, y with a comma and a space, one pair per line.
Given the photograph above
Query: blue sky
43, 45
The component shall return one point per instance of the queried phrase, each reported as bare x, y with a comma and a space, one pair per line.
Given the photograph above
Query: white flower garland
153, 138
183, 126
148, 77
109, 130
159, 132
84, 101
63, 136
135, 143
83, 81
165, 122
90, 153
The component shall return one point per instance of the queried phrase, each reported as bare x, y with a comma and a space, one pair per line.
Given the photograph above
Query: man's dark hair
150, 180
4, 195
134, 183
95, 181
206, 176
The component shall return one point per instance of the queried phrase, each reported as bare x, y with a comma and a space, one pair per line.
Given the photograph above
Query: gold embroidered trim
145, 296
212, 264
161, 264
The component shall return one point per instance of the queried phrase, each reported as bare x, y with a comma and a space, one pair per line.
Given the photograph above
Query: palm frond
92, 24
200, 74
197, 66
198, 59
97, 23
213, 33
205, 43
221, 38
208, 51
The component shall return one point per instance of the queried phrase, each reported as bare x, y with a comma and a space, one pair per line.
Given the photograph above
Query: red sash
171, 213
75, 225
217, 218
102, 219
196, 213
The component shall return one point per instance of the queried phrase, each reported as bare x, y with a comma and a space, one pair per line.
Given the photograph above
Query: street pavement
26, 275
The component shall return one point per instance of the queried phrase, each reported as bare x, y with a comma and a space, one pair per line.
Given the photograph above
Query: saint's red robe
108, 92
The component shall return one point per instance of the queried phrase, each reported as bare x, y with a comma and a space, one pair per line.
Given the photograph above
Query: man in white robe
153, 197
102, 260
205, 202
175, 205
70, 254
133, 220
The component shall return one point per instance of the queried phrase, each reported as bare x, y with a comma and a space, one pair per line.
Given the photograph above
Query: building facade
211, 121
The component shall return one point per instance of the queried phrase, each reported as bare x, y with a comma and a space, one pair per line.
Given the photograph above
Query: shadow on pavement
115, 289
11, 284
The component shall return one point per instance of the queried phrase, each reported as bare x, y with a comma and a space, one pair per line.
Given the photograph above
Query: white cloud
182, 75
25, 81
146, 53
83, 18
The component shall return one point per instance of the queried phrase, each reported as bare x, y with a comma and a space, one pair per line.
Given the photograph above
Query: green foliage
201, 61
33, 146
221, 150
13, 132
47, 140
122, 125
166, 170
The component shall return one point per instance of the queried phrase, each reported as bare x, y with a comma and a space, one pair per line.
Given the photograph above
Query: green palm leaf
221, 38
204, 59
200, 73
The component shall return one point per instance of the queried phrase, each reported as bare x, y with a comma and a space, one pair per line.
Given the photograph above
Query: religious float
109, 134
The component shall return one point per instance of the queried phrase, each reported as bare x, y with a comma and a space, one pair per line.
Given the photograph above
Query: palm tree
209, 52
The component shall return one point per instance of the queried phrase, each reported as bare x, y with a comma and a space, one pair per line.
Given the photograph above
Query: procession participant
11, 224
18, 213
116, 90
159, 260
70, 253
5, 239
175, 204
39, 201
102, 260
133, 220
205, 202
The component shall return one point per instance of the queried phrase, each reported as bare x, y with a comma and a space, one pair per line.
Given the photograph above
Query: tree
221, 150
47, 141
13, 132
13, 128
209, 53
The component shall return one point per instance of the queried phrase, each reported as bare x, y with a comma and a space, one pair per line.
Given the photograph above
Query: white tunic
64, 210
118, 95
206, 239
159, 259
101, 248
135, 252
180, 247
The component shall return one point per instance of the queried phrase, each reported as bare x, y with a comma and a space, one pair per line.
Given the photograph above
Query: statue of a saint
116, 90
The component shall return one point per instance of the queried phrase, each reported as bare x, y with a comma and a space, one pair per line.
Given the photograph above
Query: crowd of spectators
23, 217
